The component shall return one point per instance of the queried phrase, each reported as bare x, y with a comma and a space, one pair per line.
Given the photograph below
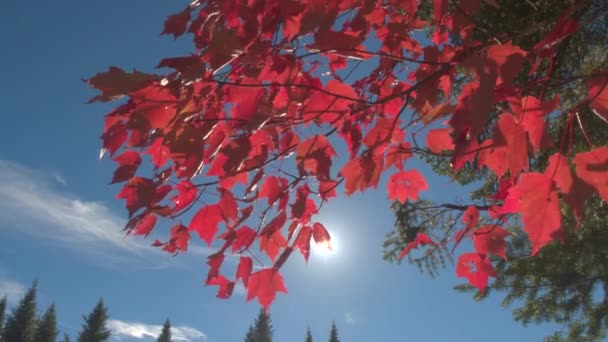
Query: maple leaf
564, 27
508, 150
243, 270
398, 155
244, 238
159, 152
598, 94
264, 285
429, 113
116, 83
186, 194
420, 240
535, 198
469, 218
146, 224
406, 185
225, 286
180, 237
228, 206
591, 167
303, 241
439, 140
273, 189
138, 192
532, 116
205, 222
114, 138
176, 24
320, 235
128, 163
362, 172
490, 239
272, 243
483, 269
314, 155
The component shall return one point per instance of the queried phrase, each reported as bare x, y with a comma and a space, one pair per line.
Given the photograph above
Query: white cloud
13, 290
31, 203
123, 329
349, 318
25, 195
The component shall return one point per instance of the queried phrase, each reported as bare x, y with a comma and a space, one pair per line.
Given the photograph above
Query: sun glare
325, 249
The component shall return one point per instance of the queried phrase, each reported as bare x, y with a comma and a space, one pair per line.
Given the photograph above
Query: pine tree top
308, 335
165, 334
333, 335
21, 324
47, 326
94, 328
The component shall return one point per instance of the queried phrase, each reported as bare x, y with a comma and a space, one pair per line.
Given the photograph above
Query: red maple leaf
146, 225
116, 83
362, 172
186, 194
469, 218
264, 285
397, 155
420, 240
320, 235
508, 150
176, 24
406, 185
535, 198
314, 155
490, 239
273, 189
303, 241
243, 270
128, 163
138, 192
438, 140
598, 94
591, 167
244, 238
159, 152
205, 222
225, 286
477, 268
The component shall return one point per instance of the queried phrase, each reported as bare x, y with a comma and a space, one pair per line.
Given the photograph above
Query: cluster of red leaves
220, 125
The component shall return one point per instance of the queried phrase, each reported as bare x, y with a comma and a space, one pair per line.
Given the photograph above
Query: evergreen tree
94, 328
47, 326
66, 338
308, 336
250, 336
564, 283
165, 334
261, 330
333, 335
21, 324
3, 302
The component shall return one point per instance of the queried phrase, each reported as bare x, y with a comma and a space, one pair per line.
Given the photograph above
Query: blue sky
60, 223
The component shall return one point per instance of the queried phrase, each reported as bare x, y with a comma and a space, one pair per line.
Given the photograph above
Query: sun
326, 248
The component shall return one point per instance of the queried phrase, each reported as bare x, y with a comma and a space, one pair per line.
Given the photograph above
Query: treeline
261, 330
25, 324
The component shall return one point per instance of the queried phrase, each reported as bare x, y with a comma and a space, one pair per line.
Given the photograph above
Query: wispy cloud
350, 319
31, 203
123, 329
12, 289
26, 194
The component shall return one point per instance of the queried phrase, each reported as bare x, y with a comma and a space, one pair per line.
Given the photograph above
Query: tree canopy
282, 104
